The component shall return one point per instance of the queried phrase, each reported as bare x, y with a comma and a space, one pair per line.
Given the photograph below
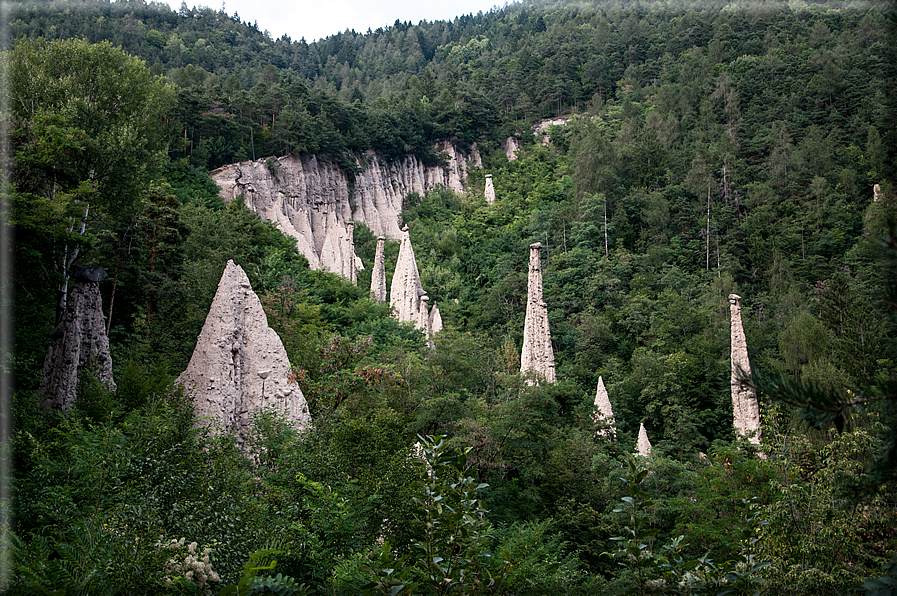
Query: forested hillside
706, 150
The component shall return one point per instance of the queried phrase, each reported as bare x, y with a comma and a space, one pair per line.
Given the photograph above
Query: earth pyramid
537, 354
745, 410
644, 445
603, 410
239, 365
80, 342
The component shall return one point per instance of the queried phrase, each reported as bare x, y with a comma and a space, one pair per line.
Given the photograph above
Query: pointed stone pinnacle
603, 410
239, 365
378, 275
537, 354
644, 445
745, 409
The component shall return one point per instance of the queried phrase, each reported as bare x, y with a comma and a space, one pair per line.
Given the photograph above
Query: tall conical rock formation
239, 365
435, 320
406, 291
745, 409
349, 261
80, 342
378, 274
313, 200
603, 410
490, 189
643, 445
537, 354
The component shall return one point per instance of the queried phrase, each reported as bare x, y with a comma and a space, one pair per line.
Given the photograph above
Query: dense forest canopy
707, 149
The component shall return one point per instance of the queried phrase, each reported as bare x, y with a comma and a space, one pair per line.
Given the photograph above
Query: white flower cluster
194, 567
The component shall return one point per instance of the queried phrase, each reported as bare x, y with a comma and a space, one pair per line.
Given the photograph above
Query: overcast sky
314, 19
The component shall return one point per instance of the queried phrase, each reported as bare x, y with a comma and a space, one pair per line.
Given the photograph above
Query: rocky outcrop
490, 189
745, 409
80, 345
603, 411
378, 274
511, 146
876, 193
644, 445
313, 200
239, 365
540, 129
537, 355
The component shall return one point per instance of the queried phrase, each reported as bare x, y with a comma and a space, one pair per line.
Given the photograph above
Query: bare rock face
876, 192
511, 147
537, 353
378, 275
540, 129
490, 190
644, 445
239, 365
603, 411
81, 343
313, 201
745, 409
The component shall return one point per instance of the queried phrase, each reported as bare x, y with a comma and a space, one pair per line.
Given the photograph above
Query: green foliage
252, 583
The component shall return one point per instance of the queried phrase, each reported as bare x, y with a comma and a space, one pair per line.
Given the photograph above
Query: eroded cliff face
312, 200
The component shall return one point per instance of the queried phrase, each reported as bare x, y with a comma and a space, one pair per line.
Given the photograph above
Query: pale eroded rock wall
490, 189
239, 365
311, 199
537, 354
745, 409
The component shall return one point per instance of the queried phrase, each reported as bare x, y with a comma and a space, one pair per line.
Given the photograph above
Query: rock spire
349, 261
239, 365
537, 354
490, 189
406, 290
435, 320
603, 411
745, 410
644, 445
407, 296
80, 342
378, 274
